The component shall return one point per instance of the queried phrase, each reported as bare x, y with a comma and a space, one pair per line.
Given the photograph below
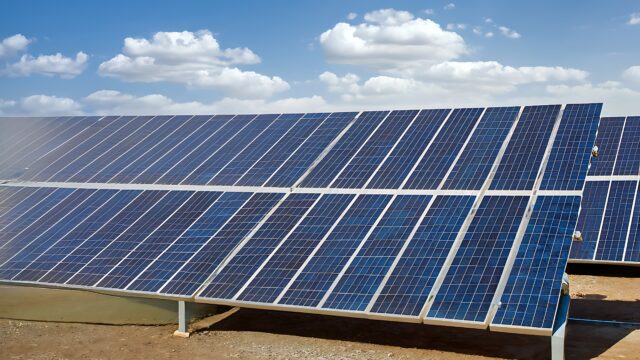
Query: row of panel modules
610, 216
395, 257
428, 149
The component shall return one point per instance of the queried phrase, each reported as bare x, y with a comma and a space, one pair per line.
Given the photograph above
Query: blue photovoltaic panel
229, 148
324, 172
325, 265
59, 252
190, 277
157, 242
628, 160
471, 281
282, 266
406, 291
475, 162
16, 201
608, 140
220, 131
633, 243
365, 162
369, 267
615, 224
183, 249
530, 298
571, 152
444, 149
245, 159
521, 161
272, 160
594, 198
228, 281
400, 161
135, 147
302, 159
169, 146
186, 152
127, 126
105, 165
87, 203
111, 254
122, 219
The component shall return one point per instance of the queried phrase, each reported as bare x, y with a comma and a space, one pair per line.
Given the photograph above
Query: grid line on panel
592, 209
473, 277
19, 130
531, 295
615, 224
229, 280
199, 268
608, 142
278, 270
568, 162
21, 201
429, 173
335, 159
628, 159
185, 247
520, 164
365, 161
632, 253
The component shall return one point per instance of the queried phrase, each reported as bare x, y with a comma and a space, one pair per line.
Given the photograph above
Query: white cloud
632, 73
489, 34
429, 11
456, 26
13, 45
48, 106
488, 20
449, 6
194, 60
618, 100
510, 33
634, 19
352, 16
389, 38
49, 65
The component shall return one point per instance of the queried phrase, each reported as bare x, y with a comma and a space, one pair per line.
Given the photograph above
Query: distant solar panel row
443, 256
610, 214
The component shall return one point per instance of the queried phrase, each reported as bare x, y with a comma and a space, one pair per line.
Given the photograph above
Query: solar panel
609, 215
380, 214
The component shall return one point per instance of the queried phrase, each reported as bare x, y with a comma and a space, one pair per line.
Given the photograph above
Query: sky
212, 57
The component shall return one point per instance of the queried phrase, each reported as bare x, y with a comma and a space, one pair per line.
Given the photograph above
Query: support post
559, 327
184, 315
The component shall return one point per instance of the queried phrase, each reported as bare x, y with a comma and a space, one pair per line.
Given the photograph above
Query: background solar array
263, 234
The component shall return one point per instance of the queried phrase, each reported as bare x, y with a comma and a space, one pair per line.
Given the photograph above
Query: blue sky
83, 57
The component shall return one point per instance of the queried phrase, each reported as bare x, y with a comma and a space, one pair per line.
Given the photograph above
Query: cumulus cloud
391, 37
41, 105
49, 65
192, 59
352, 16
13, 45
429, 11
618, 99
510, 33
634, 19
632, 73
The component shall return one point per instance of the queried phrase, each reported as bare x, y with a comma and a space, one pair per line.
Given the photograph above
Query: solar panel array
460, 217
610, 216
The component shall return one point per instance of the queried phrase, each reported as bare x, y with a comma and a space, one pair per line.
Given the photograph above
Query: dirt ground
253, 334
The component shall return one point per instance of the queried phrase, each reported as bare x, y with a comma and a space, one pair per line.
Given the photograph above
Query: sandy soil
253, 334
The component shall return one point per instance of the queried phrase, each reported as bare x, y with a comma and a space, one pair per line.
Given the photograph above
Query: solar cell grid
608, 141
628, 160
615, 224
590, 218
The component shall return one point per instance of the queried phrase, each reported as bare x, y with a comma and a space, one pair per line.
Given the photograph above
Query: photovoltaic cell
228, 281
369, 267
633, 243
521, 161
477, 158
615, 224
608, 140
408, 150
334, 252
530, 298
409, 284
628, 160
569, 159
329, 167
593, 203
444, 149
471, 281
283, 265
16, 201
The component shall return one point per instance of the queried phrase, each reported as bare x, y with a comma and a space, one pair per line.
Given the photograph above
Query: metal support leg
557, 338
184, 315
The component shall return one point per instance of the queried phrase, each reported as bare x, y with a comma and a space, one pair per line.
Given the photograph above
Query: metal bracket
562, 315
184, 315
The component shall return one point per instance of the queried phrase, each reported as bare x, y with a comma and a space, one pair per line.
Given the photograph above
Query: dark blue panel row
628, 161
608, 141
594, 199
615, 225
530, 298
633, 243
521, 161
569, 160
471, 281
